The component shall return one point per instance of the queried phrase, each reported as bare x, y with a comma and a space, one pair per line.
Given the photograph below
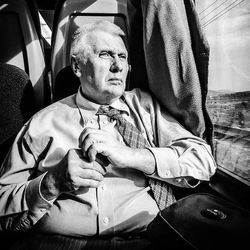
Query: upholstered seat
17, 104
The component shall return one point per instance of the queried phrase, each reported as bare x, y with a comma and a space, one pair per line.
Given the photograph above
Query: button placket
106, 209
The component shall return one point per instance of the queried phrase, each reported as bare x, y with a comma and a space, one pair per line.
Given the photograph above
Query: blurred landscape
230, 114
226, 25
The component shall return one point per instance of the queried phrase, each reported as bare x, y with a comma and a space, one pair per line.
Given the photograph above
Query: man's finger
85, 164
88, 183
96, 153
88, 131
91, 174
97, 148
91, 139
76, 152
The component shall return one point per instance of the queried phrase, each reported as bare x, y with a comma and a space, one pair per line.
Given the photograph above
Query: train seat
20, 44
17, 102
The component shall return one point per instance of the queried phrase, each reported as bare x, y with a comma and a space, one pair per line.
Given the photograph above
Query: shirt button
43, 210
104, 122
106, 220
167, 173
91, 121
103, 187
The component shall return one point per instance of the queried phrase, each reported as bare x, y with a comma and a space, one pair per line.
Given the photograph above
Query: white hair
80, 44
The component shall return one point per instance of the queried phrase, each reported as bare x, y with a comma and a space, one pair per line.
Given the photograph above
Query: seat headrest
66, 83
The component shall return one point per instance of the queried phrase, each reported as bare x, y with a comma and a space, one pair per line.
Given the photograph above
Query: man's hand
73, 172
96, 142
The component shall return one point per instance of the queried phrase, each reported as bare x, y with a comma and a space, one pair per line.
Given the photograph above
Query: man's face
104, 72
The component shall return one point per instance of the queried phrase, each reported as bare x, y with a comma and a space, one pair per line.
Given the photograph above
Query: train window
45, 29
226, 25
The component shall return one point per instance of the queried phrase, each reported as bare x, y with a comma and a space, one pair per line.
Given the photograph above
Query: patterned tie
162, 192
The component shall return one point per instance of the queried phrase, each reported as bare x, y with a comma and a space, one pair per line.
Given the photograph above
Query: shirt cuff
36, 203
167, 165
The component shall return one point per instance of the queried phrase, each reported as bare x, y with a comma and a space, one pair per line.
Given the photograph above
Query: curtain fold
176, 57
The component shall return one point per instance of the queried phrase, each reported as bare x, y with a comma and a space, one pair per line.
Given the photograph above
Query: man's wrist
144, 161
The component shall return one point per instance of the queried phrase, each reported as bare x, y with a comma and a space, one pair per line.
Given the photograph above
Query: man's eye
104, 55
123, 56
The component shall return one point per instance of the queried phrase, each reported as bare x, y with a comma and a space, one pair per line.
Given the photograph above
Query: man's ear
75, 66
129, 68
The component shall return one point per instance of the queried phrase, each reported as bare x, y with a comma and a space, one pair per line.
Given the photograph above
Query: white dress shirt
123, 202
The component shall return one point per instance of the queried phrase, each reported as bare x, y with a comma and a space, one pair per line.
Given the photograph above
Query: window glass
227, 28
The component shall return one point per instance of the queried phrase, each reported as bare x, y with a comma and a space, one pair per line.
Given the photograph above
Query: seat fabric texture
17, 104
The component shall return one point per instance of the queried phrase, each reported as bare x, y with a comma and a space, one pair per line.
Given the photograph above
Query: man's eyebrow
112, 51
107, 50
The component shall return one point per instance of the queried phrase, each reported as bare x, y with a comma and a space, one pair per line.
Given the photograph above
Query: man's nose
116, 65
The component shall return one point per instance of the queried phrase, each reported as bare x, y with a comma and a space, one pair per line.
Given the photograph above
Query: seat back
20, 44
69, 15
17, 102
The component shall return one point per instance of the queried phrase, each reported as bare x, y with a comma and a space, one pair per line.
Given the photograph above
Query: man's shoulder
138, 94
55, 110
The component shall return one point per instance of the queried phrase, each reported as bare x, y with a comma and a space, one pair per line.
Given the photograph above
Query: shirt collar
88, 109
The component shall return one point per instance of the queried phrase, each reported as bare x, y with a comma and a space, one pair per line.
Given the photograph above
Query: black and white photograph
124, 124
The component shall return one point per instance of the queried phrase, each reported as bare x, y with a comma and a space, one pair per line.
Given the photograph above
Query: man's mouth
115, 80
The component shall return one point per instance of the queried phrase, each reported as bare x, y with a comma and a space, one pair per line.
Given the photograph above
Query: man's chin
111, 96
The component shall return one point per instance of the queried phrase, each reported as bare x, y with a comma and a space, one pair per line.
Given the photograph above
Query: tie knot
108, 111
103, 109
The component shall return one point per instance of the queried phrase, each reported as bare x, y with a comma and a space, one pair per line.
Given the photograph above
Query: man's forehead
100, 40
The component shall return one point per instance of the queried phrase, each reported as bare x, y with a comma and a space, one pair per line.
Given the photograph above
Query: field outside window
227, 28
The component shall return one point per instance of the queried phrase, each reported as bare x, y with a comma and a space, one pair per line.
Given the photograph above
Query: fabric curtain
171, 59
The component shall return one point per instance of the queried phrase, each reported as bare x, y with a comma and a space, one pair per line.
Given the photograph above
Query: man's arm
26, 198
178, 157
184, 163
182, 158
21, 204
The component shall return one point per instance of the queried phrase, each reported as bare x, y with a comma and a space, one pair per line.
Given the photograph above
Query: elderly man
89, 166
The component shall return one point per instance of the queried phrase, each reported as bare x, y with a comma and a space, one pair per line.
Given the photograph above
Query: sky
226, 24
